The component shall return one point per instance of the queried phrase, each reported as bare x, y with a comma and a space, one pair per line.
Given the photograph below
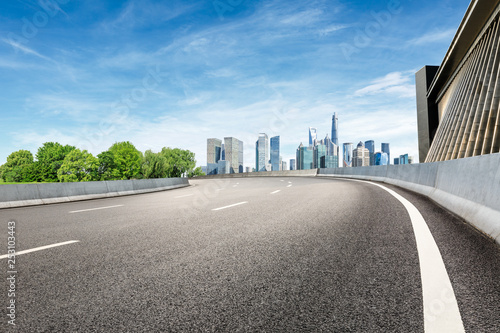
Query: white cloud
25, 49
396, 83
434, 37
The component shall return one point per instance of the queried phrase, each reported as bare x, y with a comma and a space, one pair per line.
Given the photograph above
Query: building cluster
322, 153
224, 157
227, 157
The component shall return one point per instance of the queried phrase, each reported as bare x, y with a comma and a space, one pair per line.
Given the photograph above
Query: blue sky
174, 73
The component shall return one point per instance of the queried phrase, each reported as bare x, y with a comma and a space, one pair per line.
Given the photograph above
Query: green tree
16, 161
127, 161
78, 166
196, 172
154, 165
51, 156
106, 165
179, 161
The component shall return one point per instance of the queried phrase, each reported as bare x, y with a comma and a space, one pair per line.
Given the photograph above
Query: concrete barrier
468, 187
46, 193
288, 173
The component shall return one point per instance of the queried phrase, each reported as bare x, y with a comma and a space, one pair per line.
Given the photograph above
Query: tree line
54, 162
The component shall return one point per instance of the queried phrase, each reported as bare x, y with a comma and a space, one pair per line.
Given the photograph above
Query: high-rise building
223, 153
261, 152
381, 158
360, 156
232, 147
370, 145
313, 136
304, 157
385, 149
283, 165
275, 153
213, 150
335, 134
403, 159
248, 169
319, 156
240, 156
347, 157
223, 167
332, 150
292, 164
396, 160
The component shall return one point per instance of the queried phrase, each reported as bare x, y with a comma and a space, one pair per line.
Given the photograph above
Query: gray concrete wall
468, 187
38, 194
293, 173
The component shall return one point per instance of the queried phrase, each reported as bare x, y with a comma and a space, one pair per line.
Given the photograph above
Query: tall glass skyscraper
261, 152
305, 157
370, 145
292, 164
381, 159
275, 153
232, 147
313, 135
335, 134
385, 149
240, 156
213, 155
319, 156
347, 157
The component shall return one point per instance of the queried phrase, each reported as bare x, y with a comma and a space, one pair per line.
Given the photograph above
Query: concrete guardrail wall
293, 173
20, 195
468, 187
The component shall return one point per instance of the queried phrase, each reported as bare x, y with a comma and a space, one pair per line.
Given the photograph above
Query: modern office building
261, 152
283, 166
275, 153
319, 156
223, 153
335, 132
292, 164
386, 149
213, 150
248, 169
347, 156
396, 160
313, 136
370, 145
403, 159
233, 155
304, 157
458, 109
382, 158
360, 156
223, 167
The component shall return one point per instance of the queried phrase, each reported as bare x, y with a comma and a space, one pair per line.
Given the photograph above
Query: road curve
244, 255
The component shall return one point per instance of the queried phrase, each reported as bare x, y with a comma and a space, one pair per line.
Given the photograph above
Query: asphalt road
287, 255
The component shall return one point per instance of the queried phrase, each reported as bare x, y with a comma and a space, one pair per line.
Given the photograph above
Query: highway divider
21, 195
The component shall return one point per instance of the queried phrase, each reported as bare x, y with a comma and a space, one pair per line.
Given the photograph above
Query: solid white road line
236, 204
39, 248
183, 196
441, 313
87, 210
275, 191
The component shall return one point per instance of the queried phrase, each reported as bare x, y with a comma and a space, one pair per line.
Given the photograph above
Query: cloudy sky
174, 73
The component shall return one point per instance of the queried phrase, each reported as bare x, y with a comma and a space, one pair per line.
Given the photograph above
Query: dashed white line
276, 191
289, 185
441, 313
183, 196
87, 210
236, 204
39, 248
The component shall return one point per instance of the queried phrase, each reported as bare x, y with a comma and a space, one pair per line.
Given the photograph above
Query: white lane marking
281, 180
275, 191
87, 210
289, 185
289, 182
235, 185
236, 204
183, 196
219, 189
40, 248
441, 313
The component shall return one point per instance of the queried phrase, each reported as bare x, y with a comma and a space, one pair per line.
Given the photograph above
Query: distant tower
335, 133
261, 152
275, 153
370, 145
347, 157
385, 149
313, 136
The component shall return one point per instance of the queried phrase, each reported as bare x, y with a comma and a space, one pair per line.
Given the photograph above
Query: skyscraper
385, 149
335, 134
261, 152
319, 156
292, 164
240, 156
360, 156
232, 147
381, 158
213, 155
347, 157
275, 153
370, 145
313, 136
304, 157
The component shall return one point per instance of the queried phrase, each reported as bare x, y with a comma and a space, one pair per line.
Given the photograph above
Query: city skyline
96, 73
